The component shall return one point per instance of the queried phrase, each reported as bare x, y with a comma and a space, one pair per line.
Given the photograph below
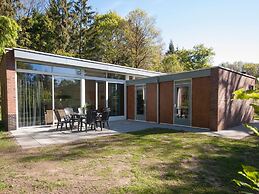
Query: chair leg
86, 127
57, 126
108, 124
101, 126
62, 126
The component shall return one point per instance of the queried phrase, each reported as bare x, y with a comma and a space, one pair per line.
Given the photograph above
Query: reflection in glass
101, 95
34, 66
116, 99
140, 101
67, 93
34, 99
66, 70
95, 73
116, 76
182, 106
90, 92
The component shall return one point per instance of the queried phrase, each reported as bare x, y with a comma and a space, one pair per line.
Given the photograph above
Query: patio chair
81, 111
71, 115
90, 119
61, 121
104, 118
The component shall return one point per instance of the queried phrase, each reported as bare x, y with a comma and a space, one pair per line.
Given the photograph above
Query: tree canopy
8, 33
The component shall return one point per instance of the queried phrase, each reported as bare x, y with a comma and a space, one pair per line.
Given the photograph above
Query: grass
150, 161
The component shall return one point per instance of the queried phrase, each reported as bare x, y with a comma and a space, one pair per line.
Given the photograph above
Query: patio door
182, 103
140, 102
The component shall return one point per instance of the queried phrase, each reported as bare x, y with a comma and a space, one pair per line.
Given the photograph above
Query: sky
230, 27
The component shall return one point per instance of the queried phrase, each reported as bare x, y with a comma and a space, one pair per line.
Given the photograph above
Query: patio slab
43, 136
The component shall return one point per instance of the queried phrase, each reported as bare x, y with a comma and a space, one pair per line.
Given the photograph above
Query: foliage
10, 8
196, 58
170, 63
82, 18
37, 33
8, 33
107, 40
249, 68
142, 39
250, 173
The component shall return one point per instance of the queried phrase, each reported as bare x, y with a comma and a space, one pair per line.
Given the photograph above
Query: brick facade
130, 102
8, 90
151, 107
166, 102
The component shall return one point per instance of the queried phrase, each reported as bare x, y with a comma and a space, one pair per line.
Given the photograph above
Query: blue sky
230, 27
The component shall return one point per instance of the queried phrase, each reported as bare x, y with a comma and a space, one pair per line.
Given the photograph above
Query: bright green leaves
8, 33
251, 174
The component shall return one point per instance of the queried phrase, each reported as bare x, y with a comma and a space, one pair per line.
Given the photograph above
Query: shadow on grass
164, 160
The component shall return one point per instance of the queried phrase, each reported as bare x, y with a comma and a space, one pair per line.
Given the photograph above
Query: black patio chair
90, 119
61, 121
104, 118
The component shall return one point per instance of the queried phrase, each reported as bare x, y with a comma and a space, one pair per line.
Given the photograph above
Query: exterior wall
151, 104
232, 112
8, 90
130, 102
166, 102
201, 101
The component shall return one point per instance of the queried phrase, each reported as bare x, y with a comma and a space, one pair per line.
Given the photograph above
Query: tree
10, 8
170, 64
107, 40
143, 39
60, 13
8, 33
250, 173
37, 33
197, 58
171, 48
82, 19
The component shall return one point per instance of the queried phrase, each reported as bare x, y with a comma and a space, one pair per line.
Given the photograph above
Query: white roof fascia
25, 54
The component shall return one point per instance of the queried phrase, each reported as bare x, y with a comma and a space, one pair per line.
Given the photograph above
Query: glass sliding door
182, 103
34, 99
101, 95
116, 99
140, 103
90, 93
67, 93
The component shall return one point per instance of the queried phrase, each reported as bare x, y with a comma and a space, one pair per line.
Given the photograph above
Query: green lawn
151, 161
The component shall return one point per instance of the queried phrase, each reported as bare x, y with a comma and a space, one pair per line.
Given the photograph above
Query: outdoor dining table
80, 117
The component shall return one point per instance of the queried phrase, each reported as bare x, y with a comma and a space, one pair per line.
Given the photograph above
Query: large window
34, 99
116, 99
67, 93
34, 66
101, 95
90, 92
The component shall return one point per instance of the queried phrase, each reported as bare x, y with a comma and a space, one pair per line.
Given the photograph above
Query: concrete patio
43, 136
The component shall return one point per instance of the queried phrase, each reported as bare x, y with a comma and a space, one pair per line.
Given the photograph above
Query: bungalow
33, 84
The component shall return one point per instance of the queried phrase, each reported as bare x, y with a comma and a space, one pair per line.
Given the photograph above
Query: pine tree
171, 48
60, 13
83, 16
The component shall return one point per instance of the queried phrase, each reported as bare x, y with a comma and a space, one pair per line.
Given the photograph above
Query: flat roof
183, 76
37, 56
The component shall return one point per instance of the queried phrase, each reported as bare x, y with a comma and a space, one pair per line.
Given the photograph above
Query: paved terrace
43, 136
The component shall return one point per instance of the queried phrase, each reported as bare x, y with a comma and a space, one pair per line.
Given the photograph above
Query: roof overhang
52, 59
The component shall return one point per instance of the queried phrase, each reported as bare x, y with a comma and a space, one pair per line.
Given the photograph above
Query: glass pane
95, 73
182, 106
33, 66
140, 101
67, 93
90, 92
34, 99
101, 95
66, 70
116, 76
116, 99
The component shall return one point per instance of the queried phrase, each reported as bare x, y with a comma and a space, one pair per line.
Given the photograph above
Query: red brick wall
151, 110
130, 102
201, 97
232, 112
8, 90
166, 102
